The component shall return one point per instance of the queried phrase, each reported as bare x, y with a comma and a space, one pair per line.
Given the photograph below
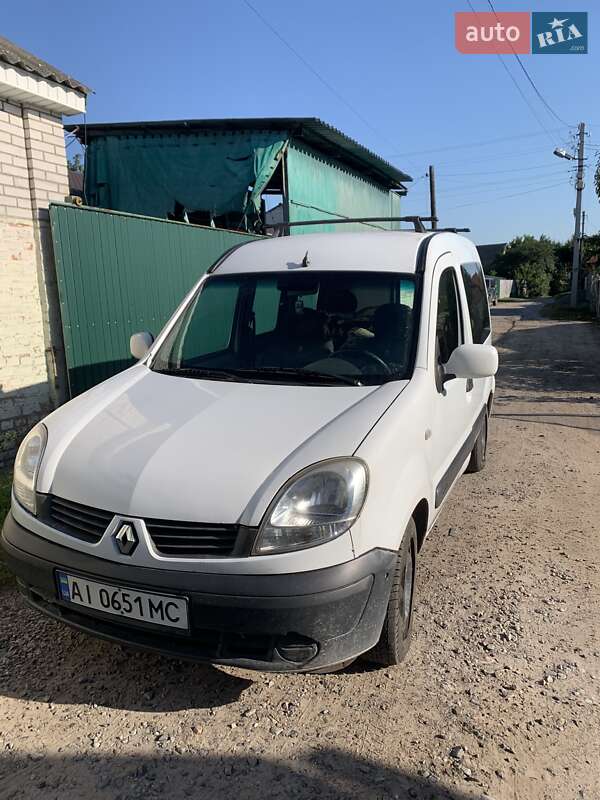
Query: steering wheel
366, 358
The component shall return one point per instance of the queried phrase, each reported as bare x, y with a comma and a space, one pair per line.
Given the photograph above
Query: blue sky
407, 93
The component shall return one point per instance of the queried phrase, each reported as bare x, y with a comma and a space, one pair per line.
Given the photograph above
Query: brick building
34, 97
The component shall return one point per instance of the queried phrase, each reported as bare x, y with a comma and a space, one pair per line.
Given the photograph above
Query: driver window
448, 317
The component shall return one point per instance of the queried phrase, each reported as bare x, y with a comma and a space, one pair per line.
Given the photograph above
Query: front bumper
294, 622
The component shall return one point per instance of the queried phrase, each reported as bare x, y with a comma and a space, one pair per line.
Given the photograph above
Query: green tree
531, 262
76, 163
532, 279
561, 276
591, 253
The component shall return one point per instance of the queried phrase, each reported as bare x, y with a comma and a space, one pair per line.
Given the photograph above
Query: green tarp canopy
213, 172
319, 189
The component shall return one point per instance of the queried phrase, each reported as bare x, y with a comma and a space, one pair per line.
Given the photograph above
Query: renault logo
126, 539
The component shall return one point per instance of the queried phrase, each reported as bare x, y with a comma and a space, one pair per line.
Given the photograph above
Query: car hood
151, 445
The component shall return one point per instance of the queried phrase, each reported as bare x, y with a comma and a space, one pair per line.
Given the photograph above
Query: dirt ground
500, 697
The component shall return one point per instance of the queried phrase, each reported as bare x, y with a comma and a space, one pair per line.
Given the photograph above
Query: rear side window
479, 311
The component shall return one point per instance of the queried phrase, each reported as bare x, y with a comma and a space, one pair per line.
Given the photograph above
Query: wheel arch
420, 515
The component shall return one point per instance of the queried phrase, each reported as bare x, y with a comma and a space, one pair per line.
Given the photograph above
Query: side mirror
471, 361
140, 343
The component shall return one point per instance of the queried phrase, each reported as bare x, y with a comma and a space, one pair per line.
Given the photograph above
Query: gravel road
500, 697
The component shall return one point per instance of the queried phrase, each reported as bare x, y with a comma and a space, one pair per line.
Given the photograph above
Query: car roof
385, 251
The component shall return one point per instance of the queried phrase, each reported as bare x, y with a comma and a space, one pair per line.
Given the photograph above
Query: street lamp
562, 153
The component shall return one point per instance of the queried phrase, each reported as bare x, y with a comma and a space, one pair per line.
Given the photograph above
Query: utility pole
582, 239
432, 203
577, 237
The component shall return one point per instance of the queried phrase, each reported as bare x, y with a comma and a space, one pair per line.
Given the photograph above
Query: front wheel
394, 642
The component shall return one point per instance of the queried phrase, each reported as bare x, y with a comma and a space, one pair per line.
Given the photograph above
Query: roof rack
417, 221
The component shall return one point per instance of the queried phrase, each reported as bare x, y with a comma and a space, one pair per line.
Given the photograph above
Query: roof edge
16, 56
310, 129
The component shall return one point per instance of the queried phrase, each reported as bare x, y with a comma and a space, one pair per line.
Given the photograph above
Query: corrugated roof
313, 131
489, 252
18, 57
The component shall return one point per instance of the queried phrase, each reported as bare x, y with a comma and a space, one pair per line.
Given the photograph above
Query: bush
530, 262
532, 279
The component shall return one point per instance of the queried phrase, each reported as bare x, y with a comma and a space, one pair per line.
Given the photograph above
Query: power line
453, 187
317, 74
513, 79
515, 156
506, 196
558, 169
496, 171
530, 79
482, 143
476, 188
466, 192
472, 197
518, 88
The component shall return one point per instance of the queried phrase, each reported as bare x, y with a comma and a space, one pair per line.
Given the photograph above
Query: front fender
399, 479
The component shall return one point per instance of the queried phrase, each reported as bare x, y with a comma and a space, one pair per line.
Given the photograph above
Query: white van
257, 488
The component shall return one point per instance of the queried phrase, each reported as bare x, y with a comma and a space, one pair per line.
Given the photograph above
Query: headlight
27, 464
316, 505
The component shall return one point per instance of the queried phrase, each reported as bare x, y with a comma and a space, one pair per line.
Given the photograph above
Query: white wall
33, 172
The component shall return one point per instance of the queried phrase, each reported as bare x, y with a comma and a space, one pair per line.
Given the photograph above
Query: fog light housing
297, 649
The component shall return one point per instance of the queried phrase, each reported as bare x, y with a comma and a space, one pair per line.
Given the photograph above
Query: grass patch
5, 484
561, 311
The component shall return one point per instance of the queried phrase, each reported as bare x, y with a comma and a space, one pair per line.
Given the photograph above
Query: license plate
157, 609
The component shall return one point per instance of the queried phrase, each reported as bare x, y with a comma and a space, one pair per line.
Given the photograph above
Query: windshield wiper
248, 373
201, 372
298, 372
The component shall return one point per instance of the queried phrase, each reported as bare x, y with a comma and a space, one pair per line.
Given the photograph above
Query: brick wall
33, 171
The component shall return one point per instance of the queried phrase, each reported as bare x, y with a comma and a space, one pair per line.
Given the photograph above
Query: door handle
470, 384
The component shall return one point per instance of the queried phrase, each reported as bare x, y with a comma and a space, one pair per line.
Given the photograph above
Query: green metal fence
120, 273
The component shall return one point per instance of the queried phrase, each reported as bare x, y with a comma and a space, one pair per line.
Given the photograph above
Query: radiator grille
170, 538
192, 539
78, 520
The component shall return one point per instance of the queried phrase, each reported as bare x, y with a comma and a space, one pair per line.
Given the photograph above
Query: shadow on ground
327, 774
587, 422
69, 667
509, 310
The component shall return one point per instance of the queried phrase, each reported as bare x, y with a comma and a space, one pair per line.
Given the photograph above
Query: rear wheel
394, 642
479, 451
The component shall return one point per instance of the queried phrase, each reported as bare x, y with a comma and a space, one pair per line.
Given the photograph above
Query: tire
394, 642
333, 668
479, 451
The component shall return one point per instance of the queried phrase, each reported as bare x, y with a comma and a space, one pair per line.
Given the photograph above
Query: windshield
323, 327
